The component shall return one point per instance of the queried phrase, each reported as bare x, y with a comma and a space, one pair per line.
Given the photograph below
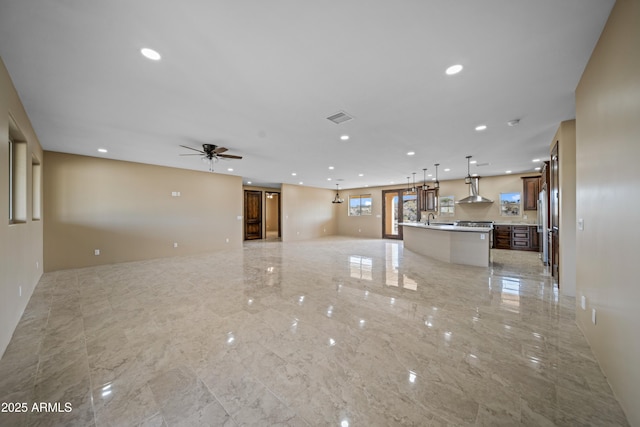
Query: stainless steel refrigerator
543, 225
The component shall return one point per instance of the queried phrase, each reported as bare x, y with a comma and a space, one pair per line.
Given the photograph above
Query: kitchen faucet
429, 216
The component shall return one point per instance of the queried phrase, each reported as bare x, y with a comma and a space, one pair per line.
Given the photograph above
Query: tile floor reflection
337, 331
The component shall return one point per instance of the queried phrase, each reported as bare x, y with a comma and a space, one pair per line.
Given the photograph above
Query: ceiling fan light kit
211, 153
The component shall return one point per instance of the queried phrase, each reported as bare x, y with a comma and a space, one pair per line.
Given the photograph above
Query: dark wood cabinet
520, 237
530, 192
534, 238
502, 237
516, 237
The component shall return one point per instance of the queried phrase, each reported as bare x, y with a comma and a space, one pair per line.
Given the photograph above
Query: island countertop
449, 243
446, 227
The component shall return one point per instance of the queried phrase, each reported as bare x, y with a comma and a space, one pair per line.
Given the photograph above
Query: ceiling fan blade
219, 150
194, 149
190, 154
229, 156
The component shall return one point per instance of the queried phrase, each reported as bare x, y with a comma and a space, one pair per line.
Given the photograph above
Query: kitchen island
449, 243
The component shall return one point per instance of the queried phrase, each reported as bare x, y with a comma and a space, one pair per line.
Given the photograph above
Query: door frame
398, 193
261, 213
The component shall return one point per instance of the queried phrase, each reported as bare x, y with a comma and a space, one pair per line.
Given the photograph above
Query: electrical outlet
96, 252
583, 302
227, 240
593, 316
175, 244
483, 236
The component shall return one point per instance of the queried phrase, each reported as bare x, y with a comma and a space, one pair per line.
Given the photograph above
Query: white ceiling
260, 77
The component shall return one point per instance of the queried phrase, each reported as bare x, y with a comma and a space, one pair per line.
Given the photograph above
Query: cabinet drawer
521, 234
520, 243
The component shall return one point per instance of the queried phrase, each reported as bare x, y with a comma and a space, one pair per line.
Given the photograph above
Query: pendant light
409, 184
437, 183
413, 189
467, 179
337, 199
424, 179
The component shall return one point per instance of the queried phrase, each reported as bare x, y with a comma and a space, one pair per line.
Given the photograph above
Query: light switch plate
583, 302
593, 316
580, 224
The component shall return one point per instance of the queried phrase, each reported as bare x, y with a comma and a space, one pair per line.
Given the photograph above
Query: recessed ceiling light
507, 171
293, 174
430, 174
537, 169
514, 122
331, 168
454, 69
102, 150
473, 162
301, 183
360, 174
447, 170
344, 137
248, 182
390, 182
411, 153
535, 160
328, 179
150, 54
481, 127
230, 169
474, 174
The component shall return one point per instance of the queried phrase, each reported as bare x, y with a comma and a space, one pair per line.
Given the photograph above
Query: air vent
340, 117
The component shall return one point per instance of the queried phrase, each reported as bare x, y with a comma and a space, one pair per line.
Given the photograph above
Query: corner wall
566, 137
608, 199
308, 213
21, 259
127, 211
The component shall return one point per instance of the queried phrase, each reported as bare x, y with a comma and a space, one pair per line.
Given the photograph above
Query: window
17, 175
36, 188
447, 206
17, 182
360, 205
510, 204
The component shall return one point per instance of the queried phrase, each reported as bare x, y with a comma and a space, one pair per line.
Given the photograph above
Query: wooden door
252, 215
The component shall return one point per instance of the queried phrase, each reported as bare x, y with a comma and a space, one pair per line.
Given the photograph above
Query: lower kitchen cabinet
516, 237
502, 237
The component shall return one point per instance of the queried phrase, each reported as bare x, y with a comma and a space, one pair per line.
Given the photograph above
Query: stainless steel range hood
474, 193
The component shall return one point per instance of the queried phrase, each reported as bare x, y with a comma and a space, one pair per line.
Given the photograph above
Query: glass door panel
390, 215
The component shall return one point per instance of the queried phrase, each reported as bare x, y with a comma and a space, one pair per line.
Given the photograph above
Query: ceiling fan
211, 153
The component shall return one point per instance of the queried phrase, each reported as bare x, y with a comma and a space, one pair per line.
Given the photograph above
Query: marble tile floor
335, 331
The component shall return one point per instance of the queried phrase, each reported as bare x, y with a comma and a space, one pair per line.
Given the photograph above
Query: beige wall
21, 259
370, 226
608, 200
307, 212
127, 211
566, 139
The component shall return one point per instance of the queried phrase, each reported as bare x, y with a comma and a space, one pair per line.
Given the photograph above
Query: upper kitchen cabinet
530, 192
